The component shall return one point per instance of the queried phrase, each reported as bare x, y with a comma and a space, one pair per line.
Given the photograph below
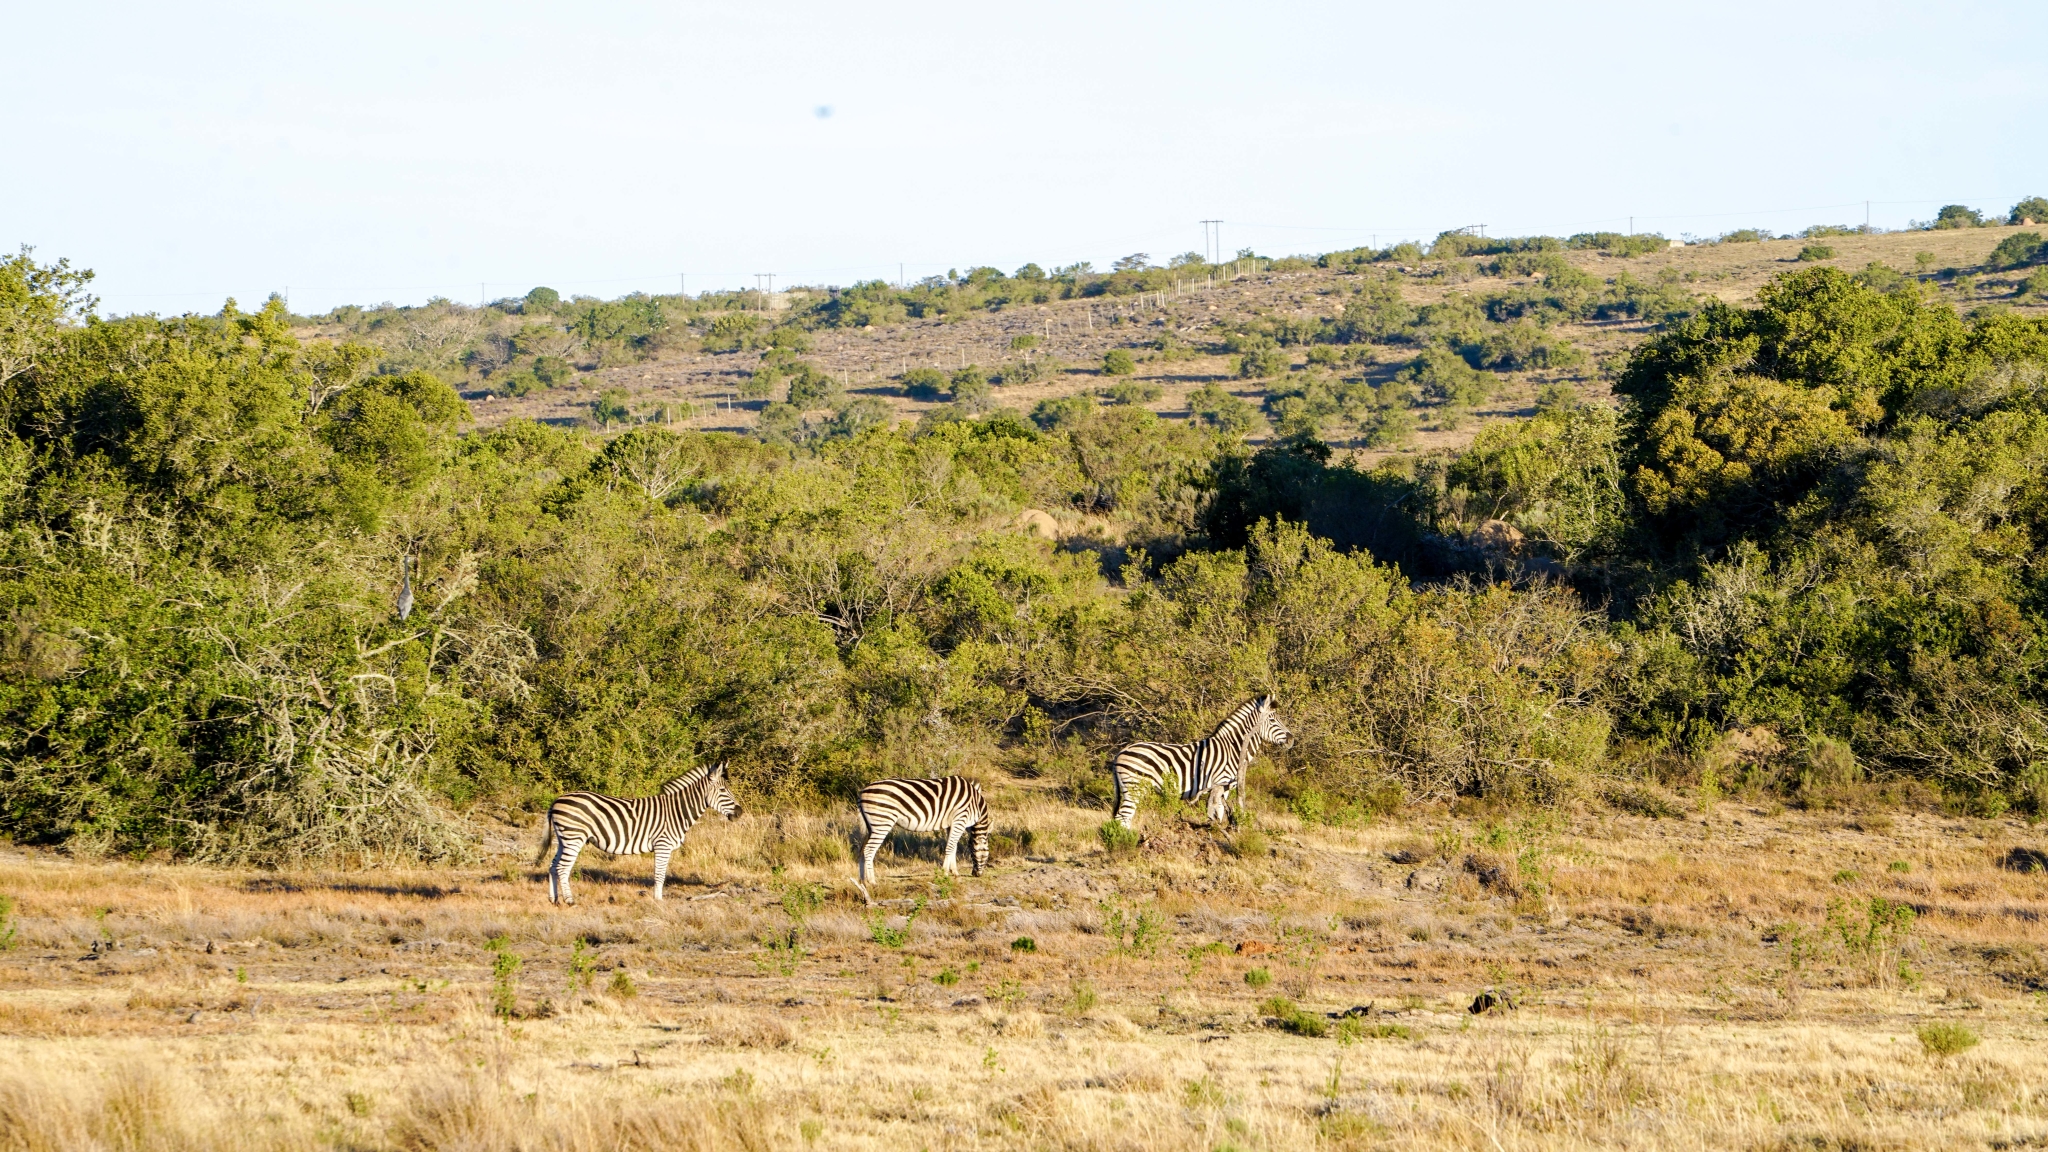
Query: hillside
870, 362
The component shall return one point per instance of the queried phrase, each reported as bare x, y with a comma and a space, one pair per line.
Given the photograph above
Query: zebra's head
1270, 729
719, 794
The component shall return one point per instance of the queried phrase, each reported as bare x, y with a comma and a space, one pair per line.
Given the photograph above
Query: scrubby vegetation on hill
1820, 515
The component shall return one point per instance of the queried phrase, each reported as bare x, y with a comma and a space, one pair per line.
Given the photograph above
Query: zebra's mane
688, 779
1239, 716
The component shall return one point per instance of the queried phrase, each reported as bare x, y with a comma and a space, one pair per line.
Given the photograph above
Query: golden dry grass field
1739, 977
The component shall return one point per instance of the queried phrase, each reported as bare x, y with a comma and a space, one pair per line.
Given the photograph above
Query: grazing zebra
951, 804
623, 827
1214, 766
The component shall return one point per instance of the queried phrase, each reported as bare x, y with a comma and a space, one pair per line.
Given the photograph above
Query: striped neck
1239, 731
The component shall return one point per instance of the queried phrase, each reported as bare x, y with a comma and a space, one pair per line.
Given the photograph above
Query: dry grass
1681, 982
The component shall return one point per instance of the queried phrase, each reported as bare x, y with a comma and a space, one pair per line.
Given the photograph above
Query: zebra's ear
718, 770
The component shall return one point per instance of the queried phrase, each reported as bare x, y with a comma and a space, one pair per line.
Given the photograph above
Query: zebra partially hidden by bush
951, 804
632, 827
1211, 768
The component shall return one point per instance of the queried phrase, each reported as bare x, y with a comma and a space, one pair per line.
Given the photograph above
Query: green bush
924, 384
2032, 210
1220, 410
1444, 377
1957, 216
1117, 840
1257, 977
1290, 1018
1262, 363
1023, 342
1063, 412
542, 299
1813, 252
2018, 249
1133, 392
552, 371
1117, 362
1943, 1040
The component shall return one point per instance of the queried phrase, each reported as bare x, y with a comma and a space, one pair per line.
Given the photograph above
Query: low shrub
1814, 252
1290, 1018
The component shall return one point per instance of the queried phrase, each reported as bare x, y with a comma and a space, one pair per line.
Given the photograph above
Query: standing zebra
1214, 766
623, 827
951, 804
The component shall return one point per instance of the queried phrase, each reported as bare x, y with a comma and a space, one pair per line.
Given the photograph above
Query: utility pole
682, 284
1215, 226
769, 278
1866, 216
899, 274
1631, 225
479, 293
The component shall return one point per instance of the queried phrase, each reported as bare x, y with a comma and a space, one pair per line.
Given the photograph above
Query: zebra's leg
565, 862
1126, 797
952, 864
661, 855
877, 833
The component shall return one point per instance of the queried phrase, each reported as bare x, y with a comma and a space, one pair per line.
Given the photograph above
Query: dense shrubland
1820, 517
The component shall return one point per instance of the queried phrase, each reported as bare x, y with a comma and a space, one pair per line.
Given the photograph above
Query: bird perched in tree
404, 588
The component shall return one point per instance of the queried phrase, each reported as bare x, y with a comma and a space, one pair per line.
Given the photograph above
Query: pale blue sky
398, 151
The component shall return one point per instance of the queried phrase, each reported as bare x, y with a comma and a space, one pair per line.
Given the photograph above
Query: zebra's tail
547, 840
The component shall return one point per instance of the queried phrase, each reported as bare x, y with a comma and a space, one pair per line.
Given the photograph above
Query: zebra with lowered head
633, 827
1212, 768
951, 804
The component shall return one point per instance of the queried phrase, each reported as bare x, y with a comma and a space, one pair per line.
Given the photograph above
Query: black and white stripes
951, 804
1211, 768
634, 827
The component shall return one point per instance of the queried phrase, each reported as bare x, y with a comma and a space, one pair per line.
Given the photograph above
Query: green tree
1117, 362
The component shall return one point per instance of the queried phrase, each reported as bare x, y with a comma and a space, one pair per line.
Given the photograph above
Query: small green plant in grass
1082, 997
1942, 1041
1898, 866
1354, 1028
1008, 993
581, 965
943, 884
6, 923
782, 952
1203, 1093
800, 900
1117, 840
811, 1129
1847, 876
621, 986
1292, 1019
881, 933
947, 977
1250, 844
504, 978
241, 975
1258, 977
1132, 931
1023, 944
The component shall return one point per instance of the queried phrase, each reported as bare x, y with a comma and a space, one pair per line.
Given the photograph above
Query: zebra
625, 827
951, 804
1214, 766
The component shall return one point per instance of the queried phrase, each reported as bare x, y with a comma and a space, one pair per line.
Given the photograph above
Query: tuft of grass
621, 986
1258, 977
811, 1129
880, 932
1941, 1041
581, 965
1292, 1019
1898, 866
1250, 844
6, 923
1117, 840
947, 977
1023, 944
504, 978
1847, 876
1082, 997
